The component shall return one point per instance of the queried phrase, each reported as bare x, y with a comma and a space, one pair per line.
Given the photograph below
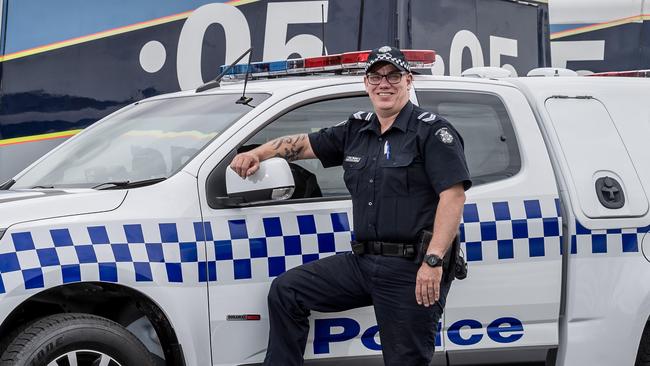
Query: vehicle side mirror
272, 182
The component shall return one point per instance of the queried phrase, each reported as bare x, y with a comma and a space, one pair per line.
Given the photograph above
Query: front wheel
76, 339
643, 356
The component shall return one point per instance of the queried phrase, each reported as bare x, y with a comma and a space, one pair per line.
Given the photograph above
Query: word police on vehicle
341, 330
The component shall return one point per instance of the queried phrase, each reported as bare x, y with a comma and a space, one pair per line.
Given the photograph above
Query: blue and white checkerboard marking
263, 247
253, 248
96, 255
509, 230
595, 243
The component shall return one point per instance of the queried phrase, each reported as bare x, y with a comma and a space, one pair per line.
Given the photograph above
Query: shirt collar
401, 122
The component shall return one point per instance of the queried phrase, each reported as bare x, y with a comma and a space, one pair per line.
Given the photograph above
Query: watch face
433, 260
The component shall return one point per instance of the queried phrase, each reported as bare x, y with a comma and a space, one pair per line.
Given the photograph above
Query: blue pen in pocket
387, 150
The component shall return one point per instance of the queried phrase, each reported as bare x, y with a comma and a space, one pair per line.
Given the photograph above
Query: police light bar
630, 74
345, 62
323, 63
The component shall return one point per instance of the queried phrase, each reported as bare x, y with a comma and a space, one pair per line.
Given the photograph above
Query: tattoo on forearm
287, 147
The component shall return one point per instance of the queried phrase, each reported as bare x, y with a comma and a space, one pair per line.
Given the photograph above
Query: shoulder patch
362, 116
427, 117
444, 136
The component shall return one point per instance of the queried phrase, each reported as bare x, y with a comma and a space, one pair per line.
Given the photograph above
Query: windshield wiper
42, 187
128, 183
6, 185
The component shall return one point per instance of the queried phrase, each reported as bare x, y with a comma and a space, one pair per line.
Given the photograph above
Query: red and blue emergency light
349, 61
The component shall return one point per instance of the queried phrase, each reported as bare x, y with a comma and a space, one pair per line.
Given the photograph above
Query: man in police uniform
404, 167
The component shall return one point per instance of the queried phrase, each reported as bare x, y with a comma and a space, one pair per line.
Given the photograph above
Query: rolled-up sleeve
328, 144
444, 158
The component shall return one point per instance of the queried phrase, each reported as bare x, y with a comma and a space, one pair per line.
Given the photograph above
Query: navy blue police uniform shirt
394, 178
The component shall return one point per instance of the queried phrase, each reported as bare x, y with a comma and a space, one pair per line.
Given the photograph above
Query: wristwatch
432, 260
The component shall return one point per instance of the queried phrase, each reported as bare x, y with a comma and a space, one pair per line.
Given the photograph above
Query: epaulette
427, 117
362, 116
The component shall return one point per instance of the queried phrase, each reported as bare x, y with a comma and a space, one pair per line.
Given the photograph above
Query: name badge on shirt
352, 159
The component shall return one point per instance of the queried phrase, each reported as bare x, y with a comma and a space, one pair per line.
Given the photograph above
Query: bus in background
600, 35
66, 64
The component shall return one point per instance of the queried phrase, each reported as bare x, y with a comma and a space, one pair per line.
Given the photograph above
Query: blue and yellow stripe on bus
565, 30
109, 33
36, 138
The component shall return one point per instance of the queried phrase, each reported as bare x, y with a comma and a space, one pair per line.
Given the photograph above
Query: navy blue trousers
346, 281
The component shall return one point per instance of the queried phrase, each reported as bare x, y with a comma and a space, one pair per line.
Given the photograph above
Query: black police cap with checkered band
388, 54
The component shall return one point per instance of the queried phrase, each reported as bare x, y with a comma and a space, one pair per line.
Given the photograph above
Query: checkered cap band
398, 62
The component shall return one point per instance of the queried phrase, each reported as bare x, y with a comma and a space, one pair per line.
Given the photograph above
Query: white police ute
133, 243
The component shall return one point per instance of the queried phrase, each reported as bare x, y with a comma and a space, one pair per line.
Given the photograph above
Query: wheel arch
116, 302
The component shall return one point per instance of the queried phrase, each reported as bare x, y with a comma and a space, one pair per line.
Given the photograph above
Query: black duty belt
384, 248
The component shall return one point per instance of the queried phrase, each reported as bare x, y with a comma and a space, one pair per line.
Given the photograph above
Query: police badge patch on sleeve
444, 136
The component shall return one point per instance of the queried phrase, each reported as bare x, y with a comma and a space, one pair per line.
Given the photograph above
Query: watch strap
437, 261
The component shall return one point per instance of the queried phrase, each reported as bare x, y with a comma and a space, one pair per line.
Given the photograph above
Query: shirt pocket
395, 180
353, 173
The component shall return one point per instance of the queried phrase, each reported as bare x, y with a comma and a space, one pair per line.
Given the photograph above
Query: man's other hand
427, 285
245, 164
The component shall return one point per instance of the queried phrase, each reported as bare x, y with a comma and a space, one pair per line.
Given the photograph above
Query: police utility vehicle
133, 243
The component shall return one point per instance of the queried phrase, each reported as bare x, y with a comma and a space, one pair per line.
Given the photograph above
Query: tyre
76, 339
643, 356
5, 339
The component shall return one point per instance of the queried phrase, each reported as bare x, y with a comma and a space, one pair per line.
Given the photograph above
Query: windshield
152, 139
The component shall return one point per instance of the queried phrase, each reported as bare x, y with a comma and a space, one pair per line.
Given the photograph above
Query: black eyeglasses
392, 78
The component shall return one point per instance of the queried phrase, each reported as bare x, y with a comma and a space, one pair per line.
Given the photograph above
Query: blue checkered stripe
252, 247
594, 243
261, 247
514, 230
120, 253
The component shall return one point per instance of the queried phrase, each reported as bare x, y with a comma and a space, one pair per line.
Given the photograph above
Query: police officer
406, 171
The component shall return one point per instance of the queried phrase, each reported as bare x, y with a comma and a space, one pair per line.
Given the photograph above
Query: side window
491, 146
312, 179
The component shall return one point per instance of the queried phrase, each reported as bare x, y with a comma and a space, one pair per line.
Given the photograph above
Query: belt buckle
357, 248
377, 247
409, 251
392, 249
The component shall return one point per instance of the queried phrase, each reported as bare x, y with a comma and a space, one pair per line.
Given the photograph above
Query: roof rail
487, 72
551, 72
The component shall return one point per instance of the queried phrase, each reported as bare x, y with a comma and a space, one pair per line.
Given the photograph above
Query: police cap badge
390, 55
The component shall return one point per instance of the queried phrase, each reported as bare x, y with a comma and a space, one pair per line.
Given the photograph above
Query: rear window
491, 146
